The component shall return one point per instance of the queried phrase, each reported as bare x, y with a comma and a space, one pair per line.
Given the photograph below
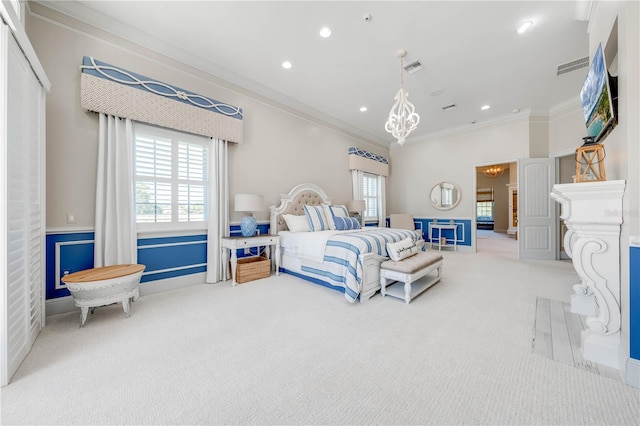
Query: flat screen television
597, 98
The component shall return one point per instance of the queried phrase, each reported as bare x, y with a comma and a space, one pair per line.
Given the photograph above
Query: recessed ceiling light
437, 92
325, 32
485, 107
286, 65
524, 26
515, 111
363, 109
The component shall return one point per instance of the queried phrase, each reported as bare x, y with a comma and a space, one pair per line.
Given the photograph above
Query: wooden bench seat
408, 271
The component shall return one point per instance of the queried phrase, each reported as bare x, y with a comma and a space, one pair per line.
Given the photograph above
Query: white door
536, 209
22, 212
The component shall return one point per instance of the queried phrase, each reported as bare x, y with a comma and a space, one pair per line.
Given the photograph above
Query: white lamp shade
249, 203
356, 206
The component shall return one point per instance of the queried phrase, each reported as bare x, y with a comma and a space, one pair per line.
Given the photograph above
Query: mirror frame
439, 186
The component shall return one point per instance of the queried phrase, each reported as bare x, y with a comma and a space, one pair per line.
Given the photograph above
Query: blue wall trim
166, 257
464, 229
634, 302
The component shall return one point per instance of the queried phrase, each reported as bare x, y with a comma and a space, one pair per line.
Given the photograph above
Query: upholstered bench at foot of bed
408, 271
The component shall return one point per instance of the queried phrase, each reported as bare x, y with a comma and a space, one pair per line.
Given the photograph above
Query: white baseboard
632, 376
63, 305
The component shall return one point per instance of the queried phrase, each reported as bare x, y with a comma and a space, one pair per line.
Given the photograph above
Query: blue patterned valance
112, 90
359, 159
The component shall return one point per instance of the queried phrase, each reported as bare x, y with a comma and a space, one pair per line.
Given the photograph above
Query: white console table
231, 244
592, 212
440, 227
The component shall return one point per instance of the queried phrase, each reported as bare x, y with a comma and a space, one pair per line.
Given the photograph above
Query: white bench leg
407, 292
126, 307
84, 310
383, 286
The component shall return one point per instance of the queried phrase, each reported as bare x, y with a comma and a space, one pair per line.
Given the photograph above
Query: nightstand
231, 244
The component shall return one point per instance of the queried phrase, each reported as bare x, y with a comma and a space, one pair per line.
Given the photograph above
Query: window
171, 178
370, 196
484, 211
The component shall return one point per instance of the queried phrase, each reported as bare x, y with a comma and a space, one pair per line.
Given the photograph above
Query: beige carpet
283, 351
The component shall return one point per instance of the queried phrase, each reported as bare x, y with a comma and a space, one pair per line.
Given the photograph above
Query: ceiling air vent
448, 107
413, 67
573, 65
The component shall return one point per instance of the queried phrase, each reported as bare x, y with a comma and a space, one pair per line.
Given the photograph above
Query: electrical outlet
71, 218
247, 251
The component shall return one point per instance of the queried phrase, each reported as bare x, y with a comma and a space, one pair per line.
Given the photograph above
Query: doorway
495, 211
566, 171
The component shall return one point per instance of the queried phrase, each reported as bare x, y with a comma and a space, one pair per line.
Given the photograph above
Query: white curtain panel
218, 216
115, 229
382, 202
357, 176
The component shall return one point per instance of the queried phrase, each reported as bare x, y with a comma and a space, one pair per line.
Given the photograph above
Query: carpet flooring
283, 351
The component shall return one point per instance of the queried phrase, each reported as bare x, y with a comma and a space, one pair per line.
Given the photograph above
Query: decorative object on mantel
248, 203
357, 207
493, 172
402, 118
590, 161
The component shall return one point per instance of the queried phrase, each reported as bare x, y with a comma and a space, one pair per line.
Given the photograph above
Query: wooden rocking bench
408, 271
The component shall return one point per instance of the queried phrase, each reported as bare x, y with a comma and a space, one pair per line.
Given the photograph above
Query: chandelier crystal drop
402, 118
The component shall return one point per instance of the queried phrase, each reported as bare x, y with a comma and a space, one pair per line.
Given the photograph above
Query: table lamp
357, 207
248, 203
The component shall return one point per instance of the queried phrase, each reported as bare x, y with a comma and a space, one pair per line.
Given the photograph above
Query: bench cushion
413, 263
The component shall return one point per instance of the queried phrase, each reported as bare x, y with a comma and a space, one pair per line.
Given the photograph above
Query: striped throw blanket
342, 262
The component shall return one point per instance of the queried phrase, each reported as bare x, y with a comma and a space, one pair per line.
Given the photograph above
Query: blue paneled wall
634, 302
463, 230
165, 257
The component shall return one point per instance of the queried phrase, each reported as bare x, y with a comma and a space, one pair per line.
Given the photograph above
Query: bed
347, 260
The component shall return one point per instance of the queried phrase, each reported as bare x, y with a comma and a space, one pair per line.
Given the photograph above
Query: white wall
281, 148
417, 166
566, 129
622, 146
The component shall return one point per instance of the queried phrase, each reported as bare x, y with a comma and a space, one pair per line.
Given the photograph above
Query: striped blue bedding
342, 263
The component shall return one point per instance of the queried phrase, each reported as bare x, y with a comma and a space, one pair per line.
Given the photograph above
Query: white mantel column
592, 212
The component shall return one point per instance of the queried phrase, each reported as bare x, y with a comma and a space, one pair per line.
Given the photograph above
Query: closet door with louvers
22, 260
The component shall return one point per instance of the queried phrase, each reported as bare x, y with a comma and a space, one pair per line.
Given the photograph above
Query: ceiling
470, 52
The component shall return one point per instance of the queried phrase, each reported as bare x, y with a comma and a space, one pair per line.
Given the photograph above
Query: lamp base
248, 226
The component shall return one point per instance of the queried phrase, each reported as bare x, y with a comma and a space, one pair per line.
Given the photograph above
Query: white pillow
296, 223
316, 218
402, 249
332, 212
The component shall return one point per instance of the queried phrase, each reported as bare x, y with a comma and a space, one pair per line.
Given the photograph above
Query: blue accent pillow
317, 219
346, 223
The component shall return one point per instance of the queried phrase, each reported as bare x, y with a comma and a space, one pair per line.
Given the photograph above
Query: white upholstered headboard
294, 202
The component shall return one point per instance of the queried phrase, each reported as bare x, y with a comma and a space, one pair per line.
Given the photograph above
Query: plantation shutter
22, 217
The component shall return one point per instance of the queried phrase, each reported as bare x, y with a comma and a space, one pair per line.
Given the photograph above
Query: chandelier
493, 171
402, 117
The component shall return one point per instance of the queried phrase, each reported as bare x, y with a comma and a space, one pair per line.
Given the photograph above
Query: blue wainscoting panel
634, 302
464, 229
170, 257
66, 252
167, 257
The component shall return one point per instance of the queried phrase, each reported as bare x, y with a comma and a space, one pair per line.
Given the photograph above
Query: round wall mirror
445, 196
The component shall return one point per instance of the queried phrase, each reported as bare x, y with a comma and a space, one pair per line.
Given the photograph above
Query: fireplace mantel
592, 213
